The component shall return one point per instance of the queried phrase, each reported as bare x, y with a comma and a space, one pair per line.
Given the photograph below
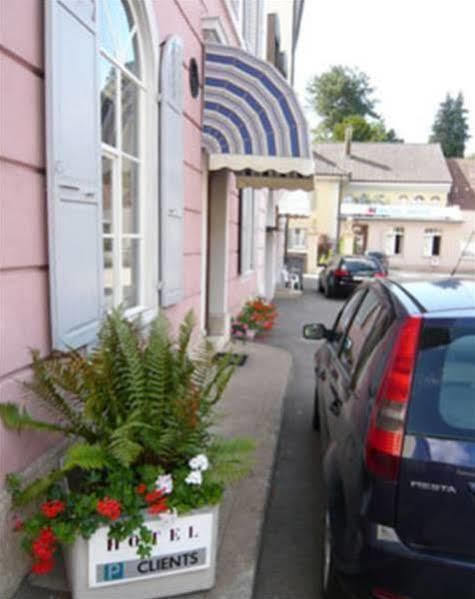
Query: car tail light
380, 275
386, 429
384, 594
341, 272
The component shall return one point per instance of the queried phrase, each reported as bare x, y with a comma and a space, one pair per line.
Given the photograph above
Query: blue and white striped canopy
253, 123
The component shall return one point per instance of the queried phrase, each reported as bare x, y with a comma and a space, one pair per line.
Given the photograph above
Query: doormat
236, 359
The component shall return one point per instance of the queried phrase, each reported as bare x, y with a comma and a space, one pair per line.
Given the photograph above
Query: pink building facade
111, 195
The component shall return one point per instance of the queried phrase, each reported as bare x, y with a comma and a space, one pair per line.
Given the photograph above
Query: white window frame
428, 245
147, 289
391, 237
215, 25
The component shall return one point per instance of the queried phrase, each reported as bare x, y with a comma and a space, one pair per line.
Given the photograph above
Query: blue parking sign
114, 571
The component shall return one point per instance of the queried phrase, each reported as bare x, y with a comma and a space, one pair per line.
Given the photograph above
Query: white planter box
183, 560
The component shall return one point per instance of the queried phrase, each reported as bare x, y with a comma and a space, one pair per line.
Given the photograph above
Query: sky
414, 52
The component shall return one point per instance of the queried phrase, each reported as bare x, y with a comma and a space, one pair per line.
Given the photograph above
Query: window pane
130, 116
108, 95
108, 274
130, 272
107, 182
130, 197
130, 55
106, 39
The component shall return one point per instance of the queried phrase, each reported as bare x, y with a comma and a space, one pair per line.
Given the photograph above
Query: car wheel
329, 289
330, 587
316, 413
320, 286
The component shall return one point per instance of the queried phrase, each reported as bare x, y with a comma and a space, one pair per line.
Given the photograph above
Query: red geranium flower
109, 508
141, 488
52, 508
41, 550
158, 507
42, 566
47, 536
154, 496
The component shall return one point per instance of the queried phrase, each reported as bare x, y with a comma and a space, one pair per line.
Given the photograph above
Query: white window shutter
171, 172
73, 171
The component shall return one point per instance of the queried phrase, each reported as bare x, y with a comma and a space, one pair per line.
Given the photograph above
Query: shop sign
179, 545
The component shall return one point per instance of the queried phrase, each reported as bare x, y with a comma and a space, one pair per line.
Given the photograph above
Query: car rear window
443, 394
356, 265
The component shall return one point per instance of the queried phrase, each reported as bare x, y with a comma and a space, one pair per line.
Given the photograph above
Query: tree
339, 93
450, 127
343, 96
364, 130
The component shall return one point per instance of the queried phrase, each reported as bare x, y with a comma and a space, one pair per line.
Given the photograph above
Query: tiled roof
463, 188
383, 162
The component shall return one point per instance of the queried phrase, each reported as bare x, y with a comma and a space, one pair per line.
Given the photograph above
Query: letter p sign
114, 571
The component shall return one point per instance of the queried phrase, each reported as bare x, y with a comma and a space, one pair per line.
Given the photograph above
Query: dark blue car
395, 405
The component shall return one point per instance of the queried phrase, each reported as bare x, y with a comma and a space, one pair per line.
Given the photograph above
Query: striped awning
253, 122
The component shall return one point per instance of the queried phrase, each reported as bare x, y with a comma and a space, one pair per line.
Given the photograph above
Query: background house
390, 197
129, 178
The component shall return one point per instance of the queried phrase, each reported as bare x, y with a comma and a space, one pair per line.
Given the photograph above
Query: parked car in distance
395, 406
344, 273
383, 259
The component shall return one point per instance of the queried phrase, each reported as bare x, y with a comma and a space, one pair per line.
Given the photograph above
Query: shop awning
253, 123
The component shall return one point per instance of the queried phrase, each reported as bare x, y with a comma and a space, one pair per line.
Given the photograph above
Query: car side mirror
315, 331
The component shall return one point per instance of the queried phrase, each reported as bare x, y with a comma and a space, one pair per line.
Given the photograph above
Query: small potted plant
135, 498
256, 316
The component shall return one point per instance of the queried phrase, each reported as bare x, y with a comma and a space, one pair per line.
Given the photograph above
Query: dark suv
395, 405
343, 273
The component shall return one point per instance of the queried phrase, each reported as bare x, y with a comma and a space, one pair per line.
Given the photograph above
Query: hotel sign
179, 545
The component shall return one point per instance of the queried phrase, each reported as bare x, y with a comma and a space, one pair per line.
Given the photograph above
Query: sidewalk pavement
251, 407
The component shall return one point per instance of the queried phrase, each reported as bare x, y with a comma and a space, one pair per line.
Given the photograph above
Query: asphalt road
289, 564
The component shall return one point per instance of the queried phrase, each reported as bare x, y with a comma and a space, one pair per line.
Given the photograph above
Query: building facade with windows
139, 141
392, 198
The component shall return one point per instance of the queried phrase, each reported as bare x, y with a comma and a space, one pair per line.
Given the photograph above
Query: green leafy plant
139, 409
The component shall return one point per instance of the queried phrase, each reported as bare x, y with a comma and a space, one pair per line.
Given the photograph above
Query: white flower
164, 483
199, 462
194, 478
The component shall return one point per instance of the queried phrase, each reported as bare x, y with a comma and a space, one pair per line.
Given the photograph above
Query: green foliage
364, 130
342, 96
450, 127
340, 93
232, 459
137, 408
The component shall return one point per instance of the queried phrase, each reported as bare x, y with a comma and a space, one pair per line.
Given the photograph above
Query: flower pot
251, 333
183, 560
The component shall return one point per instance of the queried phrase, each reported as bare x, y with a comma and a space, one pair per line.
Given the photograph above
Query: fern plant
138, 408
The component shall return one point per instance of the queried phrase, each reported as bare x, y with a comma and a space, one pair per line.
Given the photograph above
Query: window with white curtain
122, 88
432, 242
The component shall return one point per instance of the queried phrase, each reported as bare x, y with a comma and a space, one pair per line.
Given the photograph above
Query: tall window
394, 241
432, 241
121, 98
246, 231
